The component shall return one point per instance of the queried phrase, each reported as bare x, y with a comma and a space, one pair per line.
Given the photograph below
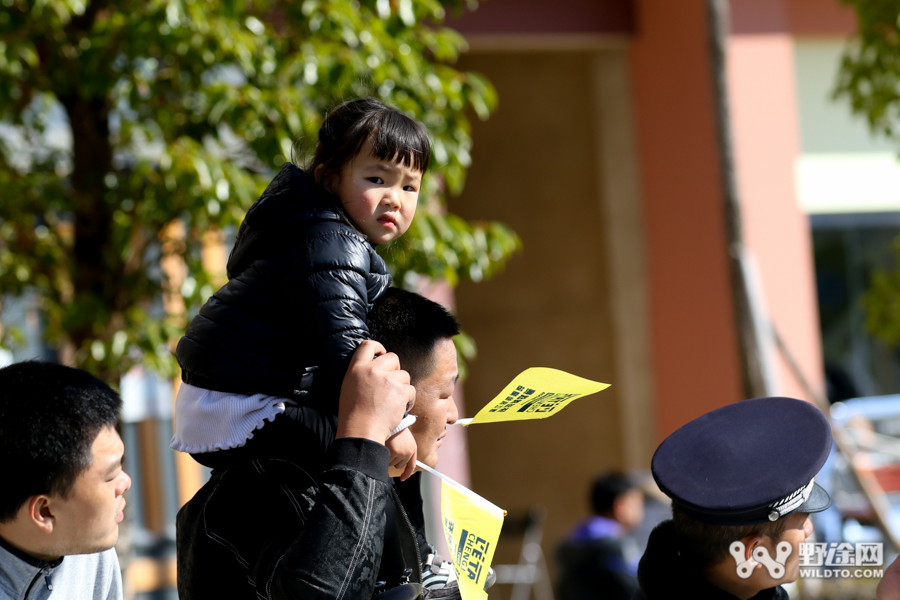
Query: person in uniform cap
741, 483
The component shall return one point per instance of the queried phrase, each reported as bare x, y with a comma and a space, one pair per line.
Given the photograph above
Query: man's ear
750, 543
41, 513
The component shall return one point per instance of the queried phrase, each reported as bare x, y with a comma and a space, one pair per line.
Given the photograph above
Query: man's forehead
107, 453
446, 360
107, 445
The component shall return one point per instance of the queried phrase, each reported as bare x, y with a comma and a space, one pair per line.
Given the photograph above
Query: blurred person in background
597, 561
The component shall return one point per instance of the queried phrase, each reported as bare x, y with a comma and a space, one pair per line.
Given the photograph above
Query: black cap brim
818, 500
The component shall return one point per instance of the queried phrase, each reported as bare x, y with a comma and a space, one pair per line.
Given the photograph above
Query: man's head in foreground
60, 460
615, 496
741, 481
421, 333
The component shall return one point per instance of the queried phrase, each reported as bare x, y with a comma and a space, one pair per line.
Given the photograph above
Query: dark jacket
666, 572
269, 529
594, 569
302, 279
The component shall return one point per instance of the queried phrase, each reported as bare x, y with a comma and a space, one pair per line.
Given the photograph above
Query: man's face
628, 508
434, 407
88, 519
798, 527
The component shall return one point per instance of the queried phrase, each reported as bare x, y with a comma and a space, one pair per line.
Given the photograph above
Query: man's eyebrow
116, 464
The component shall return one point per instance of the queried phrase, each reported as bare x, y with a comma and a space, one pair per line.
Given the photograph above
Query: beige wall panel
619, 185
535, 168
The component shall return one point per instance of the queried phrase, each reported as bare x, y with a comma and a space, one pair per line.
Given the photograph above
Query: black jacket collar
666, 572
24, 556
290, 203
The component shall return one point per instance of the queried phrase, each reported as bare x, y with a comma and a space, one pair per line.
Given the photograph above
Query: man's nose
453, 413
126, 485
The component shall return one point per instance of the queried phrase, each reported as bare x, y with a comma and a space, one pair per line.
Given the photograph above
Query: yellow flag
536, 393
471, 526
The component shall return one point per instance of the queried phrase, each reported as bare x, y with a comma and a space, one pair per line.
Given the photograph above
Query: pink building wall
821, 18
694, 343
539, 17
766, 140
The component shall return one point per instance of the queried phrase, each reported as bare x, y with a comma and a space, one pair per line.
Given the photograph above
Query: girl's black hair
395, 137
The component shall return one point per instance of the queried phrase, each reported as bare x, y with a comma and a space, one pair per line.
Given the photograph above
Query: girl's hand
403, 455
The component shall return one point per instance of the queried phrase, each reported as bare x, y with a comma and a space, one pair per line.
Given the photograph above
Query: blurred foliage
882, 303
121, 120
869, 77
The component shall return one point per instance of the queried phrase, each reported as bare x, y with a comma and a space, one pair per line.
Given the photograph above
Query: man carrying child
269, 528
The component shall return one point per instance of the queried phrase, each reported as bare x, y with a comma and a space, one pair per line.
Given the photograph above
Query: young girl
263, 361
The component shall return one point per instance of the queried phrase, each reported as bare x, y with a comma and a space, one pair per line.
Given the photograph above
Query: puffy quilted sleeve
335, 287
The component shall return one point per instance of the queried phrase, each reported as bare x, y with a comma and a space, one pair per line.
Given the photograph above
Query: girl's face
379, 195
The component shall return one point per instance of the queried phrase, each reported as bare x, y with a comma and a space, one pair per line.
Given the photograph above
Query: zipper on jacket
31, 585
46, 572
416, 563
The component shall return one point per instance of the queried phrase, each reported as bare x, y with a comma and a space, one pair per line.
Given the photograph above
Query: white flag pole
459, 487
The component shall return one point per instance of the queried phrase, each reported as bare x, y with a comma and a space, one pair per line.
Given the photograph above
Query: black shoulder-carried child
271, 347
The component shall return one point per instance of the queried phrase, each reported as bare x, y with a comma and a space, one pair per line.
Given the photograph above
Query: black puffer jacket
302, 279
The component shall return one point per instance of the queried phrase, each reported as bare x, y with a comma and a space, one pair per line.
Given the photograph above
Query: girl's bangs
401, 140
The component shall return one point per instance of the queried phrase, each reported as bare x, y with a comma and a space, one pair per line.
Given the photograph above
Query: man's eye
376, 180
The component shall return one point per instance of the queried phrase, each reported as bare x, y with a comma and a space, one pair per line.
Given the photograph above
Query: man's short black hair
49, 418
409, 325
606, 489
708, 543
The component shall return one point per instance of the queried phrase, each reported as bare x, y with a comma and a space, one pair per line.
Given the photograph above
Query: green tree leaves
869, 78
118, 118
869, 75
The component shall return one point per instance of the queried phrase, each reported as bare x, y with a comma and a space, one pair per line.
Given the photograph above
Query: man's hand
374, 394
403, 454
889, 586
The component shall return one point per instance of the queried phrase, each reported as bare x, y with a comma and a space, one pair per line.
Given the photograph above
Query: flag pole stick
460, 487
463, 422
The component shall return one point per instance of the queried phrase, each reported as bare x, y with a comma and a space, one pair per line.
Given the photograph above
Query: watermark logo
841, 560
761, 556
819, 559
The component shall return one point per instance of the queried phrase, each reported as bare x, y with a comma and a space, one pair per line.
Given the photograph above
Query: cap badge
791, 502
